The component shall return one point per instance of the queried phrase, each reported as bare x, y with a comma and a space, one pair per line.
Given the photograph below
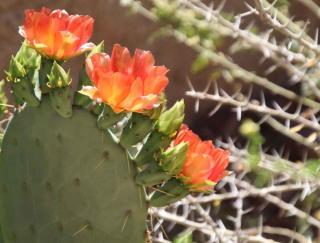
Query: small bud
16, 70
28, 57
173, 158
58, 77
249, 128
170, 121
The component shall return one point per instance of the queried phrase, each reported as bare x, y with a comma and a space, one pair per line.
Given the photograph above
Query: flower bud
173, 158
28, 57
16, 70
58, 77
249, 128
170, 121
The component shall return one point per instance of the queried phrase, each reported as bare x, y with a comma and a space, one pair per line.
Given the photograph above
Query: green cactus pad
66, 181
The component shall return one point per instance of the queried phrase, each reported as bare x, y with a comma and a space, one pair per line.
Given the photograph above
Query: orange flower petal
125, 82
197, 168
155, 85
56, 34
89, 91
120, 59
113, 88
143, 62
143, 103
97, 65
136, 91
204, 164
221, 163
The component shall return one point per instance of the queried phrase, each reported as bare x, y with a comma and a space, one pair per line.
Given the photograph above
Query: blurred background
277, 164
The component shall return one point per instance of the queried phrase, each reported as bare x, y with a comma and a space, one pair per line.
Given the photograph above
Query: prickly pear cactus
65, 180
83, 167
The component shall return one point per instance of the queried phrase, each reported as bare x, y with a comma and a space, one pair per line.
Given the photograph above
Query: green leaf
312, 167
184, 237
201, 62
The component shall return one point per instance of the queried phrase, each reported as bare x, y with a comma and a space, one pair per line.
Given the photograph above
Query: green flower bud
173, 158
249, 128
172, 191
170, 121
28, 57
16, 70
58, 77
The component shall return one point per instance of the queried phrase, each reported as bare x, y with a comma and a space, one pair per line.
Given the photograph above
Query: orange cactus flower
125, 83
205, 165
56, 34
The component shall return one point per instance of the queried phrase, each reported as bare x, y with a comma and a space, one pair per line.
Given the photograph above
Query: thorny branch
235, 70
290, 185
260, 107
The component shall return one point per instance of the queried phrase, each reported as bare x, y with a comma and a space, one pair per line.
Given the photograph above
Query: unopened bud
173, 158
170, 121
58, 78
